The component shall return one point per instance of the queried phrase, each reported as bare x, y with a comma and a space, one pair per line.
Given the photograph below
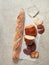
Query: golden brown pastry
34, 54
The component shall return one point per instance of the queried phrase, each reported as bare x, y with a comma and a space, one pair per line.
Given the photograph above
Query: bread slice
31, 30
29, 39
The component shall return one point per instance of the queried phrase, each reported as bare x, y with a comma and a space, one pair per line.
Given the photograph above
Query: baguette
17, 44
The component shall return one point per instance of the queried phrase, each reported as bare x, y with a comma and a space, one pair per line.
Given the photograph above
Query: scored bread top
21, 16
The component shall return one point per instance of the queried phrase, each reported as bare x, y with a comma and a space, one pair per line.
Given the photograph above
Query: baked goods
18, 35
29, 39
31, 30
32, 47
38, 21
41, 29
19, 26
17, 44
27, 51
21, 16
30, 35
16, 54
40, 26
34, 54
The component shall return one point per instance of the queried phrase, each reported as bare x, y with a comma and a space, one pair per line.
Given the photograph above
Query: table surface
8, 13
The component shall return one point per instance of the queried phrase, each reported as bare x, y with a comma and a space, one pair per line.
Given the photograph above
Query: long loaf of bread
19, 35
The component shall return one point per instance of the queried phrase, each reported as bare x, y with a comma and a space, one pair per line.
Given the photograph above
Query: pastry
34, 54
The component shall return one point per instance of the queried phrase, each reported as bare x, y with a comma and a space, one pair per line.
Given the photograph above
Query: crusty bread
17, 46
21, 16
16, 54
31, 30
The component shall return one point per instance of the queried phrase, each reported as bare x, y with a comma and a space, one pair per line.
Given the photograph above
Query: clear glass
32, 11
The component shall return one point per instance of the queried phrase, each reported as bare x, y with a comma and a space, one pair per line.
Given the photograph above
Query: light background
8, 13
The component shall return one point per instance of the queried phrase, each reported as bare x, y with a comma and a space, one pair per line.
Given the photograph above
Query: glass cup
32, 11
